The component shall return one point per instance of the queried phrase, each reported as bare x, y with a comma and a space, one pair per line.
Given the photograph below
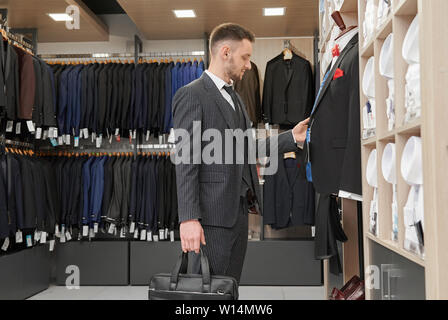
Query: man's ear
225, 51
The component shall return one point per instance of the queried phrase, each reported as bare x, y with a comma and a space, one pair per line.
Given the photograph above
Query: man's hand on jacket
299, 131
191, 236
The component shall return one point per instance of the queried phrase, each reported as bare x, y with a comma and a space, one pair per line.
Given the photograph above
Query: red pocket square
339, 73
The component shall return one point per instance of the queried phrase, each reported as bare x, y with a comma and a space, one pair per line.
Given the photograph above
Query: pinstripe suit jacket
211, 192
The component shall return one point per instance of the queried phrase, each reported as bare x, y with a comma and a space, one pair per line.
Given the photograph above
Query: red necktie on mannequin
335, 51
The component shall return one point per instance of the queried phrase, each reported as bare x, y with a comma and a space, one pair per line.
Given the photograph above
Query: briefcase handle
181, 267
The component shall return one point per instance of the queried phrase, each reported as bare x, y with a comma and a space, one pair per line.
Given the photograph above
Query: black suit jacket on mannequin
288, 92
335, 147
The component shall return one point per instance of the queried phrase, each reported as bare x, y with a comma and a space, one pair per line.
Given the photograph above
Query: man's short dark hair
229, 31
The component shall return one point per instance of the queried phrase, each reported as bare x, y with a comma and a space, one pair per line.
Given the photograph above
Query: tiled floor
141, 293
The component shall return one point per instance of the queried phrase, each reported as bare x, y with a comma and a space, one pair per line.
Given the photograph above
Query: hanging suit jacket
288, 91
288, 197
2, 79
335, 147
12, 78
27, 85
38, 109
249, 90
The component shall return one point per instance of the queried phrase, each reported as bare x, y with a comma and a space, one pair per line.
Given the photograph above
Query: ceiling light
60, 17
274, 11
184, 13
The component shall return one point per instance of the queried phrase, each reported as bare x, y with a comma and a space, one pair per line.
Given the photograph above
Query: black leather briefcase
181, 286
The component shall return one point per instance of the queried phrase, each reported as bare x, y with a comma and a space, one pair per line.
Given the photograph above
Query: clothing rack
121, 55
4, 141
16, 38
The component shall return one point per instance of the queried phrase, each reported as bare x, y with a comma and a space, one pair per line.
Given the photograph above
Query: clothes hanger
289, 155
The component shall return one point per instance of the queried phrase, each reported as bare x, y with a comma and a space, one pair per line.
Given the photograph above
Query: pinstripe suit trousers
225, 247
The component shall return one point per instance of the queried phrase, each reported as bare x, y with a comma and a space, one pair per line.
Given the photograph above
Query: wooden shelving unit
431, 127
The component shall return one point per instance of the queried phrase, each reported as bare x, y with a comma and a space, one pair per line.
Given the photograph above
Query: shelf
414, 127
393, 246
369, 142
349, 6
388, 136
367, 50
386, 28
407, 8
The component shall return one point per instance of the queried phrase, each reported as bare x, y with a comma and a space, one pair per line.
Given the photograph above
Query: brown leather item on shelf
352, 290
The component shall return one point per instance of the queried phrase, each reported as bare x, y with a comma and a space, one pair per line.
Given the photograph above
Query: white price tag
62, 230
81, 134
161, 234
37, 235
149, 235
56, 231
5, 244
171, 137
134, 135
132, 227
51, 245
9, 126
156, 238
85, 133
62, 238
19, 238
45, 135
123, 232
313, 231
111, 228
76, 142
166, 233
160, 139
67, 139
130, 134
136, 234
30, 126
68, 236
99, 141
110, 139
43, 237
147, 135
117, 132
29, 241
85, 231
172, 236
50, 133
18, 127
60, 140
143, 235
91, 233
39, 133
95, 227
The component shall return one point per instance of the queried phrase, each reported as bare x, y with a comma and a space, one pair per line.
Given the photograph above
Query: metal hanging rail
121, 55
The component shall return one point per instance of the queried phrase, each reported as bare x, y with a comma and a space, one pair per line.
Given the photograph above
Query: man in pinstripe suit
213, 197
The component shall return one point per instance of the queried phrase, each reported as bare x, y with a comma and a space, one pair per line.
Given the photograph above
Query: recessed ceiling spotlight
184, 13
274, 11
60, 17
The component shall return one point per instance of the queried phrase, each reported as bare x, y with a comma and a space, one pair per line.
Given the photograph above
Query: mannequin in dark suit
335, 146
